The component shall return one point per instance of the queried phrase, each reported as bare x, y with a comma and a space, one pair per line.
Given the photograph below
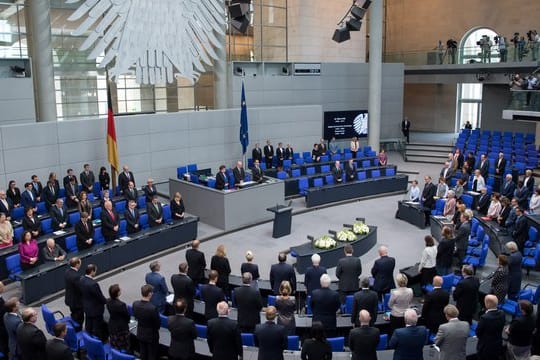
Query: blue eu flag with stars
244, 138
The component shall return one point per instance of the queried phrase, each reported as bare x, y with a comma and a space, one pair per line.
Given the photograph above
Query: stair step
441, 155
424, 159
443, 149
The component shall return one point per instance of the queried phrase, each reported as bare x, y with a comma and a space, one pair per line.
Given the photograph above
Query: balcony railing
525, 100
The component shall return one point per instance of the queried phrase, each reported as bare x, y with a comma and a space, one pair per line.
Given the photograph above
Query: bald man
53, 252
383, 272
409, 341
271, 338
239, 173
434, 303
223, 335
30, 339
489, 330
196, 263
363, 340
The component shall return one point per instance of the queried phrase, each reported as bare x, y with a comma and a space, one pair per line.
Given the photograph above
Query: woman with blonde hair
286, 306
220, 263
400, 300
251, 268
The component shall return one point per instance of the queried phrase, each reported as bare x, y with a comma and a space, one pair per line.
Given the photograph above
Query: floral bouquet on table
325, 242
360, 228
346, 235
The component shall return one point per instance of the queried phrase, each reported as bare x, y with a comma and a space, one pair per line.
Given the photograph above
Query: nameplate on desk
59, 232
247, 183
440, 217
125, 238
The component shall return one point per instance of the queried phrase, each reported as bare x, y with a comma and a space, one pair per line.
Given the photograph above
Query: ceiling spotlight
366, 4
341, 35
239, 13
358, 12
353, 24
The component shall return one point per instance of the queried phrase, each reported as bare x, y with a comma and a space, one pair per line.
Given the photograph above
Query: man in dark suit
271, 338
521, 231
12, 320
159, 286
109, 222
409, 341
132, 217
280, 154
221, 178
462, 236
508, 187
428, 200
466, 294
211, 295
280, 272
223, 336
528, 181
256, 153
383, 272
483, 166
6, 206
249, 304
87, 179
69, 176
50, 194
30, 339
337, 172
56, 348
183, 333
350, 170
312, 278
289, 152
84, 230
434, 303
93, 303
73, 297
59, 216
348, 271
256, 172
124, 178
28, 198
500, 166
268, 154
365, 299
489, 331
131, 193
447, 172
52, 251
196, 263
183, 287
148, 324
325, 304
239, 173
37, 187
149, 190
483, 201
364, 338
405, 126
155, 212
72, 194
3, 333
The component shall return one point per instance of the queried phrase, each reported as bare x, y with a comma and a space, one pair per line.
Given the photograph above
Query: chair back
376, 173
383, 342
318, 182
46, 226
49, 319
337, 343
163, 321
271, 300
390, 172
94, 347
329, 179
143, 221
74, 217
361, 175
118, 355
248, 339
201, 331
293, 342
13, 265
98, 236
71, 244
122, 228
120, 206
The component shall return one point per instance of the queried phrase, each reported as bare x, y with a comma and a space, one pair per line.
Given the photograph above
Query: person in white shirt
355, 146
414, 191
534, 204
495, 206
428, 261
478, 182
442, 188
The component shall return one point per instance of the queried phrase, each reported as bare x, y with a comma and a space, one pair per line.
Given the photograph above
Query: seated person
53, 252
28, 251
337, 173
316, 153
350, 170
256, 172
177, 206
222, 181
414, 192
84, 229
31, 223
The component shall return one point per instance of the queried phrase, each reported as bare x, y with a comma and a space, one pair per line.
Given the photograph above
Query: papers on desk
170, 298
59, 232
125, 238
440, 217
247, 183
408, 202
473, 193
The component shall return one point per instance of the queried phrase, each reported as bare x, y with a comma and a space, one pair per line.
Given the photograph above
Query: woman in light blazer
400, 300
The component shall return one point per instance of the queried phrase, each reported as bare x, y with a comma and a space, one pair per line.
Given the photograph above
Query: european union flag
244, 138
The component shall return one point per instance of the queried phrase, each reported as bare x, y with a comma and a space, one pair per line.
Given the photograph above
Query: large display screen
345, 124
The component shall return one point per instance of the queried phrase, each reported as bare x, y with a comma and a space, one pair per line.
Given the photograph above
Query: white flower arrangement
325, 242
346, 235
360, 228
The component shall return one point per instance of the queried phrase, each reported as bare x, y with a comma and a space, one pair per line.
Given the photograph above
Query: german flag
112, 147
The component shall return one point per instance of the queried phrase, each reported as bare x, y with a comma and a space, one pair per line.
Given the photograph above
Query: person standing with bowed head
28, 251
383, 272
196, 263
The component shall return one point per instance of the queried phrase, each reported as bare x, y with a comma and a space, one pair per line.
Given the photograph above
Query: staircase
427, 153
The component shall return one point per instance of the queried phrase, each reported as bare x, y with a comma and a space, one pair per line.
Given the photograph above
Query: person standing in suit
72, 193
84, 204
148, 324
434, 304
6, 206
483, 166
312, 278
445, 251
93, 303
132, 217
251, 268
28, 198
268, 154
325, 304
56, 348
348, 271
409, 341
447, 173
220, 263
6, 232
489, 331
282, 272
363, 339
316, 347
256, 153
149, 190
528, 181
354, 146
521, 231
159, 286
337, 172
184, 288
59, 215
223, 336
177, 207
286, 307
405, 127
84, 230
500, 166
365, 299
350, 170
222, 181
104, 178
155, 212
270, 338
31, 222
109, 222
124, 178
483, 202
30, 339
37, 187
73, 297
211, 295
67, 179
196, 263
50, 194
499, 281
12, 320
428, 194
280, 154
508, 187
88, 179
52, 252
289, 152
514, 270
239, 174
383, 272
452, 336
462, 236
520, 332
13, 193
183, 333
466, 294
256, 172
118, 320
399, 302
131, 193
249, 304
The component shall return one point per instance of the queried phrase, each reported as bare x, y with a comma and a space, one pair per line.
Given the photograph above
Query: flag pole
109, 98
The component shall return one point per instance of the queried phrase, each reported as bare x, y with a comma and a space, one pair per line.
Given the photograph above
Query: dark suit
239, 175
28, 199
224, 340
268, 155
408, 343
257, 173
196, 265
483, 203
489, 333
280, 154
278, 273
123, 180
365, 299
289, 153
528, 182
72, 190
132, 220
67, 180
184, 287
149, 192
108, 223
58, 217
131, 194
337, 173
249, 304
56, 349
449, 173
155, 213
428, 201
160, 292
466, 298
405, 126
93, 303
148, 325
514, 274
348, 270
433, 309
221, 181
87, 181
49, 255
211, 295
31, 342
521, 232
3, 331
350, 172
7, 207
73, 297
383, 272
256, 154
484, 168
508, 188
223, 268
37, 189
84, 233
462, 240
31, 224
50, 195
324, 304
363, 343
312, 278
271, 339
12, 322
183, 332
119, 319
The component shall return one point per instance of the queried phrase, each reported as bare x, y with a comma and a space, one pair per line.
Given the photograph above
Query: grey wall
152, 145
430, 107
16, 101
495, 99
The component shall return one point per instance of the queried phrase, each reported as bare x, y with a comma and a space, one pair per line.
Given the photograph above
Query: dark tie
85, 225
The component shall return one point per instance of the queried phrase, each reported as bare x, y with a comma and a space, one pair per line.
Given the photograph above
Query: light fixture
239, 14
354, 17
341, 35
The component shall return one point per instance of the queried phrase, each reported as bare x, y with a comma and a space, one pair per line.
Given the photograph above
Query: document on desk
125, 238
473, 193
59, 232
